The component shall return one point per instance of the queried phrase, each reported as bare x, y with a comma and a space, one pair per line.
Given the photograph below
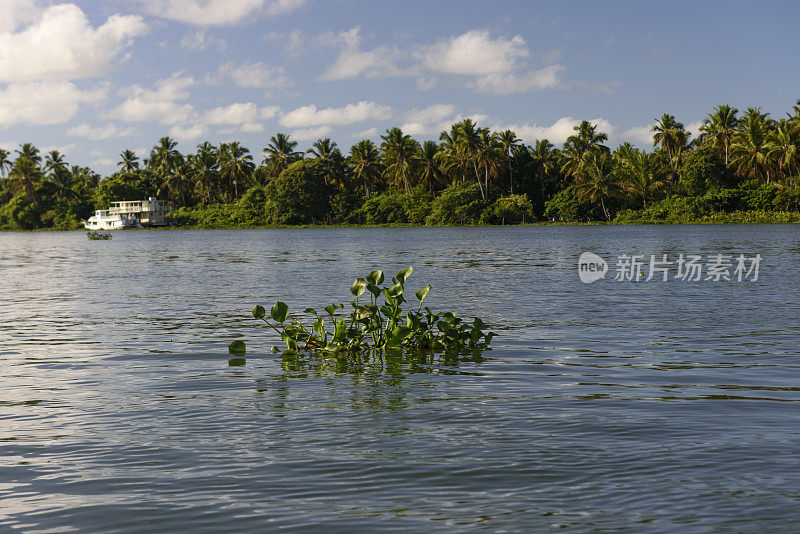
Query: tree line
744, 162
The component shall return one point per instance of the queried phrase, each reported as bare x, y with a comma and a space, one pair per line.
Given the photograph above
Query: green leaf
340, 331
422, 293
358, 287
274, 350
319, 326
237, 347
403, 274
259, 312
310, 310
396, 290
331, 309
375, 290
279, 311
375, 277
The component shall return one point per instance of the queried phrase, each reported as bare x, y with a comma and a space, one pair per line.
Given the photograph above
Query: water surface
625, 406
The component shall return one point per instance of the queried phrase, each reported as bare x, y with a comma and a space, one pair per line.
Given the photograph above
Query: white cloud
639, 135
219, 12
255, 76
309, 115
40, 103
200, 40
245, 115
60, 44
509, 83
352, 62
98, 133
161, 103
188, 133
694, 129
473, 53
307, 134
556, 133
488, 65
426, 121
369, 133
104, 162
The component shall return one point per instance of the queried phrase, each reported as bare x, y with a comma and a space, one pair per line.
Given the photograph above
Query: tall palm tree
720, 127
399, 150
164, 157
280, 152
430, 159
129, 161
597, 183
323, 149
750, 148
783, 147
544, 161
5, 166
60, 175
490, 155
672, 136
235, 166
469, 143
204, 171
638, 173
586, 140
455, 163
25, 175
509, 141
365, 162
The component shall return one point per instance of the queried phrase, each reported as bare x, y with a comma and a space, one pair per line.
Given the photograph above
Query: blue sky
93, 78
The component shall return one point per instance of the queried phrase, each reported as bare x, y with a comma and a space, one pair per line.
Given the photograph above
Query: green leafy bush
377, 325
458, 204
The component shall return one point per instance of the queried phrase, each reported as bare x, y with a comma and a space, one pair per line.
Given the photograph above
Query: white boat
103, 220
129, 214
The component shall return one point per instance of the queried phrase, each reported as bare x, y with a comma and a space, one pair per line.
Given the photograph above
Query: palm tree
365, 162
720, 127
544, 161
5, 166
25, 175
469, 141
749, 148
508, 139
323, 149
585, 141
235, 165
164, 157
672, 136
596, 182
454, 161
129, 161
430, 159
638, 172
204, 170
490, 155
59, 175
399, 150
280, 152
783, 147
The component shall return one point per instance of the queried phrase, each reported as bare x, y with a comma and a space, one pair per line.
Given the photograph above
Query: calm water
650, 406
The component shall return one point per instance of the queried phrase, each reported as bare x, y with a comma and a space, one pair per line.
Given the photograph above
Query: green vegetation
376, 324
741, 168
94, 235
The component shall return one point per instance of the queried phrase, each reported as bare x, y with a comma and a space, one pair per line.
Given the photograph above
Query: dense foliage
740, 164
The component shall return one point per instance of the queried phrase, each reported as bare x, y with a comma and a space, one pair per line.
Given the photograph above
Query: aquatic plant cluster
376, 323
94, 235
